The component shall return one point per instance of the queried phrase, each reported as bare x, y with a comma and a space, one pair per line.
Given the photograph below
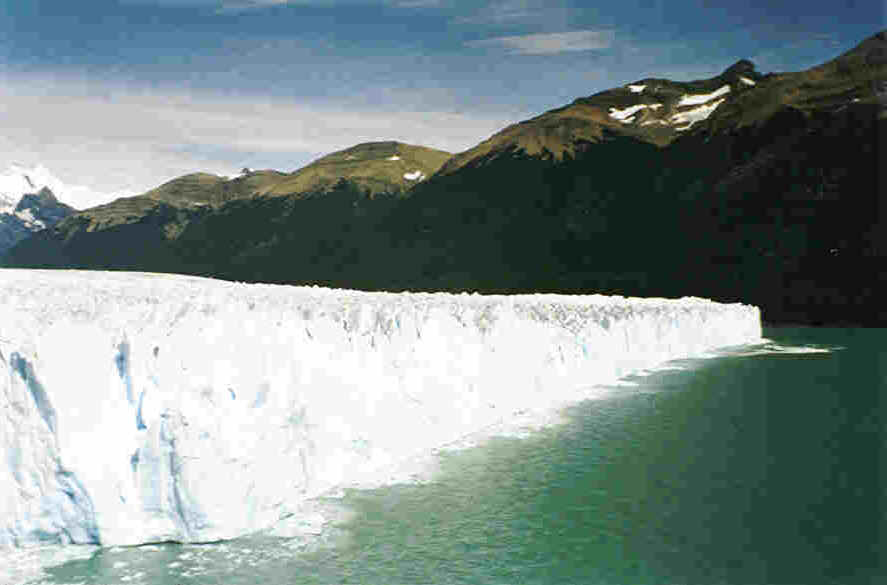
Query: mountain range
761, 188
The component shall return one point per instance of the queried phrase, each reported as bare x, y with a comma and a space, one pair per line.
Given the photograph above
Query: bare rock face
742, 67
43, 207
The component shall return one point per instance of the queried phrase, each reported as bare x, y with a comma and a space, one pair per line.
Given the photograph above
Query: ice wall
139, 407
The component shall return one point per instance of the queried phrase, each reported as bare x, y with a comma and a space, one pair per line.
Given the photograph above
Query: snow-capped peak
18, 180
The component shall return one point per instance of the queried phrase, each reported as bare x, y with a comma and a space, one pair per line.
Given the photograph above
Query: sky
119, 96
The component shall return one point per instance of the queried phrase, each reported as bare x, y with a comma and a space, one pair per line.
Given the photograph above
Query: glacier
142, 407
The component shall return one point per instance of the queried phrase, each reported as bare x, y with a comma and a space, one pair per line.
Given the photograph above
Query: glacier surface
144, 407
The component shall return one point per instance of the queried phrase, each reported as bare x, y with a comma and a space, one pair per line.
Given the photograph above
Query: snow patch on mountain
28, 216
7, 203
747, 81
393, 157
695, 115
696, 99
622, 115
244, 172
636, 88
414, 176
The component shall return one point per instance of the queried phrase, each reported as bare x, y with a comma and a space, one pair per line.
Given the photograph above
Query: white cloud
416, 3
235, 6
551, 43
552, 14
118, 139
474, 11
229, 6
505, 10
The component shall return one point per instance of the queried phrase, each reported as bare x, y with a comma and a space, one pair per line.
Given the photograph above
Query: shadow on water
738, 470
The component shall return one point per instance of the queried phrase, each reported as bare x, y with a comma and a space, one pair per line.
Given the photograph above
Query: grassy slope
366, 165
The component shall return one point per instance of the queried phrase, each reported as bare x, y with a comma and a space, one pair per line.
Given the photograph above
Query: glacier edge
143, 407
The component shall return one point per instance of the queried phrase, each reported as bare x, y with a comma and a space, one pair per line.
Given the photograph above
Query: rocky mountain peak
876, 49
42, 198
43, 206
742, 67
31, 213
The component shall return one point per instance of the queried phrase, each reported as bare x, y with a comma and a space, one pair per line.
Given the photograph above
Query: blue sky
121, 95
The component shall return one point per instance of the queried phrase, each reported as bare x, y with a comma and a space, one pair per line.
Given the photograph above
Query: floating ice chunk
414, 176
621, 115
747, 81
393, 157
696, 99
636, 88
695, 115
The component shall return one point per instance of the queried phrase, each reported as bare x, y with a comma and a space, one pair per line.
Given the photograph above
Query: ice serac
141, 407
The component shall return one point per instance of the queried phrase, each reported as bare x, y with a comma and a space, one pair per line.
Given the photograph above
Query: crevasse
143, 407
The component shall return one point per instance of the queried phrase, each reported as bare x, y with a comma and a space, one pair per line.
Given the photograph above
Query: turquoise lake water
753, 467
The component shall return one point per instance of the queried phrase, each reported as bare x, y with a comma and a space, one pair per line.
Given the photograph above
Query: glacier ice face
143, 407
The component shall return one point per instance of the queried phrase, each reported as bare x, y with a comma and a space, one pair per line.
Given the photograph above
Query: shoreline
824, 325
